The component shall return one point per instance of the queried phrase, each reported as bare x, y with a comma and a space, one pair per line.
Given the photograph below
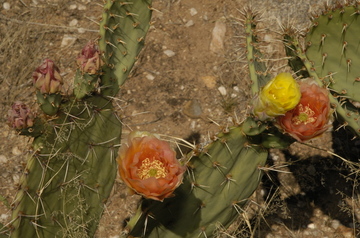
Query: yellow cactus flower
278, 96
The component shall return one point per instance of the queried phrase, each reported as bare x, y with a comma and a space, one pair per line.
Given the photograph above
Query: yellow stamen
154, 168
306, 115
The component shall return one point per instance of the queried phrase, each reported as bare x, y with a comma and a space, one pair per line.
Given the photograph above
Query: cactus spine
71, 170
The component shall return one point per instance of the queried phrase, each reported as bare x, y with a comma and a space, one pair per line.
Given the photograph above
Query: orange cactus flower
149, 167
310, 118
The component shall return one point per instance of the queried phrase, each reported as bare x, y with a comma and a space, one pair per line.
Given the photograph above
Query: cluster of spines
258, 70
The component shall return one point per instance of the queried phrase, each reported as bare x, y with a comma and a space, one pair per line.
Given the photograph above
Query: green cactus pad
122, 30
258, 70
85, 84
217, 185
70, 174
333, 50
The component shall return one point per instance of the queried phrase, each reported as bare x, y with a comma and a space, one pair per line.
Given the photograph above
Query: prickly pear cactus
329, 56
220, 179
71, 170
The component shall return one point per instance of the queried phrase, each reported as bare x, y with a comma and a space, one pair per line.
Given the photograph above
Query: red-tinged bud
47, 79
20, 116
89, 59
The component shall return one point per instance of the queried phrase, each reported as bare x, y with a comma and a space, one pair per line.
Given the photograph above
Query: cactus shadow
179, 214
324, 184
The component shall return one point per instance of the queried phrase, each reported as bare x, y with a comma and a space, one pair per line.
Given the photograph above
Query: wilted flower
20, 116
47, 78
278, 96
311, 116
149, 167
89, 59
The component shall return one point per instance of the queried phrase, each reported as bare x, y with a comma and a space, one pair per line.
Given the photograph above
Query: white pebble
193, 11
3, 159
189, 23
222, 90
16, 178
67, 40
218, 36
81, 30
169, 53
311, 226
73, 22
4, 217
236, 88
6, 6
72, 7
335, 223
16, 151
150, 77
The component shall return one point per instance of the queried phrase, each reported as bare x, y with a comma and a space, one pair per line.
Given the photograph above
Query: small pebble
73, 22
3, 159
192, 109
81, 30
218, 36
169, 53
6, 6
67, 40
150, 77
335, 224
189, 23
15, 151
222, 90
209, 81
311, 226
72, 7
193, 11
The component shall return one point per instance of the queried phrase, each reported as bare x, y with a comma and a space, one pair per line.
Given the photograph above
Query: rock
218, 36
209, 81
16, 151
193, 12
222, 90
67, 40
189, 23
150, 77
169, 53
73, 22
72, 7
3, 159
192, 109
6, 6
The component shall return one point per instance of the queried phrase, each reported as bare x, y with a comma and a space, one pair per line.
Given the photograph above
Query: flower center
306, 115
154, 168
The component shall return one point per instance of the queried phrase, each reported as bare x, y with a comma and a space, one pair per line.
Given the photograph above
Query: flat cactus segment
122, 30
257, 68
218, 183
333, 50
70, 175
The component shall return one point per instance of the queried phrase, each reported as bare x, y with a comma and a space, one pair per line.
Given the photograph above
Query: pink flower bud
89, 59
20, 116
46, 78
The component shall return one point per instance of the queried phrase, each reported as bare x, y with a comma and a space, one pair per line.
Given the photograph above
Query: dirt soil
186, 85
